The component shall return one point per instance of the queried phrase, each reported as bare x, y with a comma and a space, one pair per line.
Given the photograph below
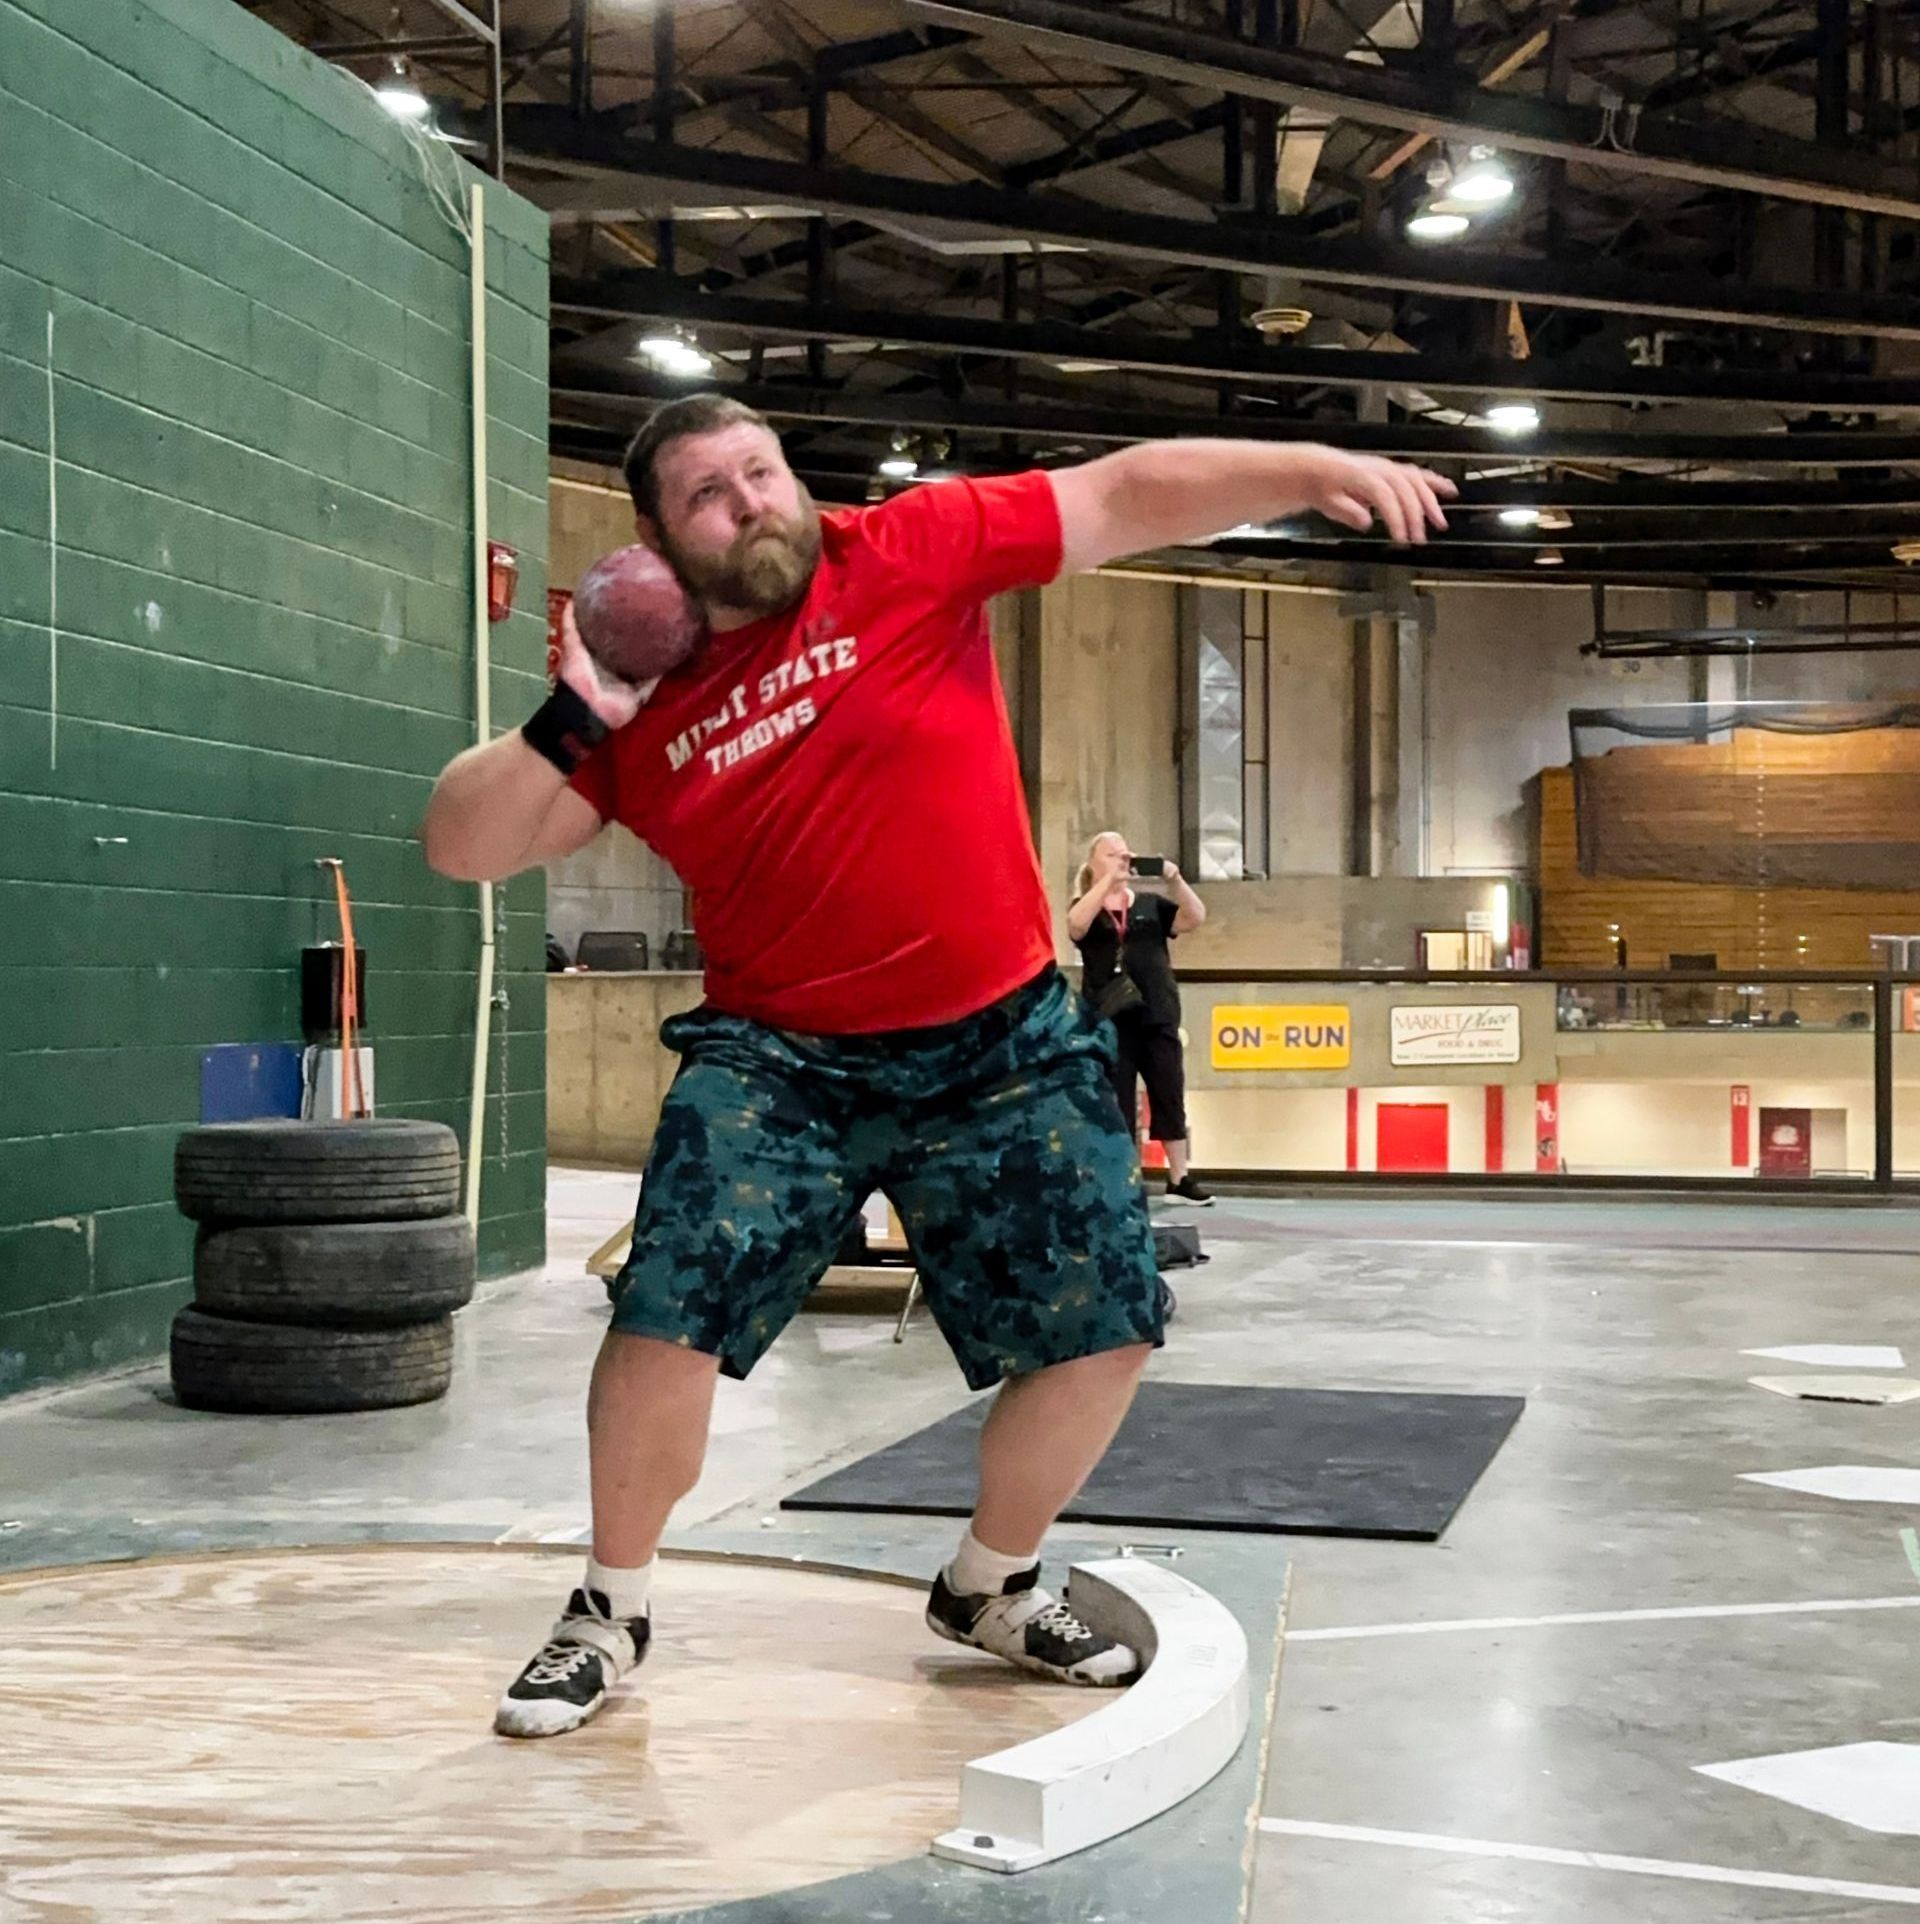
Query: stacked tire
329, 1261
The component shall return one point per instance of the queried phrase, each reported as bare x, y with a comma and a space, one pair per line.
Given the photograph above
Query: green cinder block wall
235, 627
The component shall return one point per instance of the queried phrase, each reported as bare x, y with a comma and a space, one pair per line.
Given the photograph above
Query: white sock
977, 1571
629, 1593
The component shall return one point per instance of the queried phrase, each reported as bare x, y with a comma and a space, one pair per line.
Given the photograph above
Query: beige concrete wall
1309, 734
1503, 668
1836, 676
1268, 1128
1686, 1129
1291, 922
1109, 704
606, 1071
588, 514
1328, 921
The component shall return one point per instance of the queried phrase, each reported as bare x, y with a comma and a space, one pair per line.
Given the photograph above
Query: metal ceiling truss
643, 296
1747, 159
1107, 207
1806, 638
1417, 440
632, 177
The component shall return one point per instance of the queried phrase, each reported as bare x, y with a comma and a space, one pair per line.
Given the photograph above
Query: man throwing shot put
866, 1026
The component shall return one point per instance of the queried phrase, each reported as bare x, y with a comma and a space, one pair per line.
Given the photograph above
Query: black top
1149, 930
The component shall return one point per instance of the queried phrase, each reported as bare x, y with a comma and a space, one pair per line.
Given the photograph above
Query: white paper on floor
1873, 1786
1850, 1482
837, 1342
1841, 1389
1835, 1356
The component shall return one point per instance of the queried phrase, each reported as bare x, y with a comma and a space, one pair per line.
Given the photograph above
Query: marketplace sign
1439, 1036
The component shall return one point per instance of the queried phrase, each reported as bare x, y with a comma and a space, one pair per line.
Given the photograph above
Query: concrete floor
1417, 1778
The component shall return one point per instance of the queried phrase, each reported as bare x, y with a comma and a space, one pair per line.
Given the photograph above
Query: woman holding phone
1128, 978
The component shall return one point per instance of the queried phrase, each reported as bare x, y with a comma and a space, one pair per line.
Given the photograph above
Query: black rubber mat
1200, 1456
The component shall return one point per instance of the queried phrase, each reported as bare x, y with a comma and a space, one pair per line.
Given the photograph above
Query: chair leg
906, 1308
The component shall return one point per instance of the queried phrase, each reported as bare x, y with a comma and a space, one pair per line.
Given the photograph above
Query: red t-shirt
838, 786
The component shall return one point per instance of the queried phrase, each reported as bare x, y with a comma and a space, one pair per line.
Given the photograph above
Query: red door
1411, 1137
1786, 1142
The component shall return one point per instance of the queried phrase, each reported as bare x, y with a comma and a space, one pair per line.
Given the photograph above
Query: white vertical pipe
53, 561
482, 694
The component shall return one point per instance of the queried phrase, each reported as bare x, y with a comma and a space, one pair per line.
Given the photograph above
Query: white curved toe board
1158, 1742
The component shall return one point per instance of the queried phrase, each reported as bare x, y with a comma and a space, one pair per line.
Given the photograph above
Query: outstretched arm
1160, 493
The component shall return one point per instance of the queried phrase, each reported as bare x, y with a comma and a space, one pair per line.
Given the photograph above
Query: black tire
335, 1275
223, 1363
317, 1172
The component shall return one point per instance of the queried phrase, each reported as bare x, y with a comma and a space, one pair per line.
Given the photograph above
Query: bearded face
736, 525
763, 570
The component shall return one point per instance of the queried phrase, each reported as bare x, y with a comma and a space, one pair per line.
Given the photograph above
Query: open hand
1354, 488
616, 702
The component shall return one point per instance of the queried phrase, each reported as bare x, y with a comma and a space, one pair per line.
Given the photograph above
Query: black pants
1152, 1050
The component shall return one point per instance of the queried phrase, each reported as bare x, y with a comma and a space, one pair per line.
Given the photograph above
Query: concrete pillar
1212, 733
1388, 815
1729, 677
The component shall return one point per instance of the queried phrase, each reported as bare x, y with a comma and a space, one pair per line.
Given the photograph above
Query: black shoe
589, 1652
1025, 1626
1188, 1191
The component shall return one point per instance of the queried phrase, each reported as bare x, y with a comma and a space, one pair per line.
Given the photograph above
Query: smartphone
1148, 865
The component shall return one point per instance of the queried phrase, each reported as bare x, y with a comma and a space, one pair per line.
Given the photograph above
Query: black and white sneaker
589, 1651
1189, 1192
1025, 1626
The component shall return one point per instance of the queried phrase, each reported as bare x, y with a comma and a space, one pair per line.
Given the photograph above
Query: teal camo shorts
997, 1139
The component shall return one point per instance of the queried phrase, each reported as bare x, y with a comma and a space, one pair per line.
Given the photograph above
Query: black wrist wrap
564, 729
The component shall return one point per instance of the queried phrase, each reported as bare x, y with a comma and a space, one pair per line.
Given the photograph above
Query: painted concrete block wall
235, 625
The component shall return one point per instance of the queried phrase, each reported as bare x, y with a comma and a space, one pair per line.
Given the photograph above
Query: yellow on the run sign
1282, 1037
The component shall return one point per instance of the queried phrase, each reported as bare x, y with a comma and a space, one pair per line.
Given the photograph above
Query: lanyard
1119, 920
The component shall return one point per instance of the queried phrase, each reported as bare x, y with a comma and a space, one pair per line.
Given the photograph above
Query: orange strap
352, 1095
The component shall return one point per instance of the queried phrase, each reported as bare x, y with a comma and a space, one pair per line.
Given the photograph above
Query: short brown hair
676, 421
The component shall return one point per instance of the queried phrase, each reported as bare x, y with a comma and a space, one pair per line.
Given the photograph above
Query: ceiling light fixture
673, 354
898, 467
1483, 182
1431, 225
1278, 323
1513, 417
1519, 517
1549, 558
401, 98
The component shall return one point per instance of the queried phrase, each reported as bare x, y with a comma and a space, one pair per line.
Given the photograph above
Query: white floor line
1679, 1613
1907, 1894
